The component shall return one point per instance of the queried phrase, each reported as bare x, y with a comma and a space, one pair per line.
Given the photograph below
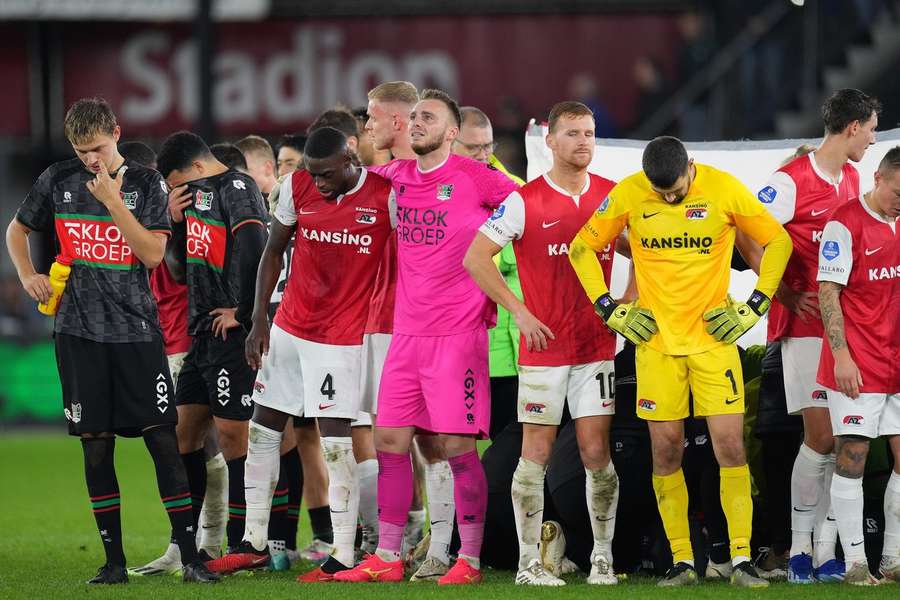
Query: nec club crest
203, 200
130, 199
444, 190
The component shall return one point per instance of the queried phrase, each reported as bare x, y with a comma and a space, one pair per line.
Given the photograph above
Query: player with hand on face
568, 353
682, 218
216, 247
109, 215
859, 299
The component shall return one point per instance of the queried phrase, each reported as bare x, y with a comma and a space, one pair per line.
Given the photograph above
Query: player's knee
456, 445
537, 451
431, 448
819, 441
390, 441
233, 438
852, 452
667, 454
594, 453
334, 427
730, 451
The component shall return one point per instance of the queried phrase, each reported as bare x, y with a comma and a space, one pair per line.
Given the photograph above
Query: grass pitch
50, 544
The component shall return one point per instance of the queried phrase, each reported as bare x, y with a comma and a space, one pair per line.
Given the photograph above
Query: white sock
441, 508
825, 530
891, 548
367, 471
847, 502
806, 493
602, 491
343, 495
528, 507
260, 477
214, 514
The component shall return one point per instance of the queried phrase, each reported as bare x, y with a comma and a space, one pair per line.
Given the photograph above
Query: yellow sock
672, 499
734, 490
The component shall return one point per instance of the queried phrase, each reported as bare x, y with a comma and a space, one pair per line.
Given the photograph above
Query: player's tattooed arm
832, 316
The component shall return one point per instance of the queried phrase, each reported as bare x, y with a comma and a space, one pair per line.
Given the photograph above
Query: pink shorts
437, 384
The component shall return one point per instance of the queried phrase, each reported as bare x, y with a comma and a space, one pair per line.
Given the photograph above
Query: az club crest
203, 200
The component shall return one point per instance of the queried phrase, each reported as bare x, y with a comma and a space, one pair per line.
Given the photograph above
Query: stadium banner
275, 77
751, 162
130, 10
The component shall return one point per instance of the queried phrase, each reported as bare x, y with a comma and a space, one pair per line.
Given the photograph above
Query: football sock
806, 494
278, 521
892, 517
367, 471
825, 530
672, 500
103, 490
528, 507
343, 495
441, 508
260, 475
470, 494
290, 464
237, 504
602, 492
847, 502
172, 481
320, 523
395, 481
195, 466
214, 514
734, 490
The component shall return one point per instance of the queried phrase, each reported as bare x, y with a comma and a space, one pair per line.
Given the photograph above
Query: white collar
872, 213
587, 185
357, 187
821, 174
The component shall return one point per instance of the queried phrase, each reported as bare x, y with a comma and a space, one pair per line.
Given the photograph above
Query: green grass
50, 545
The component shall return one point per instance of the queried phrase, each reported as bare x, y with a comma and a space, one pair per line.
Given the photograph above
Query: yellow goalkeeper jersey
681, 252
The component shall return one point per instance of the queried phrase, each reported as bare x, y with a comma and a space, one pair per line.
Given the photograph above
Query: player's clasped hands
534, 332
105, 188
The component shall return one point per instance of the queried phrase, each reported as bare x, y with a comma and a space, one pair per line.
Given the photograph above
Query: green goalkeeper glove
636, 324
730, 322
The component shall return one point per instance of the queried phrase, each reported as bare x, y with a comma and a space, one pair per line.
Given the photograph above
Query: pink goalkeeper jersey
438, 214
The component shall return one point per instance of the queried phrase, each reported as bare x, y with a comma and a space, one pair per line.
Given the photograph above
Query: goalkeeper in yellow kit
681, 219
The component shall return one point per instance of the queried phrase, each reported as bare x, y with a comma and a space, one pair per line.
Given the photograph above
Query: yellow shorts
664, 383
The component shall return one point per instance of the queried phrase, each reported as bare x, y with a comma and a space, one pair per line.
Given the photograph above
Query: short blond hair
395, 91
254, 144
87, 118
801, 150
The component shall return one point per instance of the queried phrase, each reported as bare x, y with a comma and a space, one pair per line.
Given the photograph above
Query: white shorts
800, 364
543, 392
363, 419
308, 379
870, 415
176, 361
374, 351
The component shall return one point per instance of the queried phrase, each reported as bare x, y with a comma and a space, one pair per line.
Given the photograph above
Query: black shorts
216, 374
120, 388
772, 416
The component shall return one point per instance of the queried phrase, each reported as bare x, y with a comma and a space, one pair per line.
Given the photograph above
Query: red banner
276, 77
15, 118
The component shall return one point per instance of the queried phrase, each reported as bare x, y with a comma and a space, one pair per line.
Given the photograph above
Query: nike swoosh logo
307, 212
816, 213
325, 406
871, 252
830, 519
646, 216
731, 401
546, 225
606, 404
605, 520
433, 523
856, 544
338, 512
531, 514
802, 509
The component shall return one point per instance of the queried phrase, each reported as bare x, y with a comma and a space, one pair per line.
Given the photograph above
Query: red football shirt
803, 199
338, 249
381, 311
172, 300
541, 220
861, 251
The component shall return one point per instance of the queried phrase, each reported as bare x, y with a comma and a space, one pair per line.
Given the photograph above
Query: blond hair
256, 145
87, 118
395, 91
801, 150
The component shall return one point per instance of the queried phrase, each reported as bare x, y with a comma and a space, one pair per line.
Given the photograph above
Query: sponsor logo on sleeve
831, 250
603, 206
238, 184
67, 196
767, 195
499, 212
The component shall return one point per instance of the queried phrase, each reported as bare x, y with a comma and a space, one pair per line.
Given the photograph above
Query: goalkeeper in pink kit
435, 376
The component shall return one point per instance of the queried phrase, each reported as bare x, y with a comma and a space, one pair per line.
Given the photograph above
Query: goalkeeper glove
636, 324
728, 323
